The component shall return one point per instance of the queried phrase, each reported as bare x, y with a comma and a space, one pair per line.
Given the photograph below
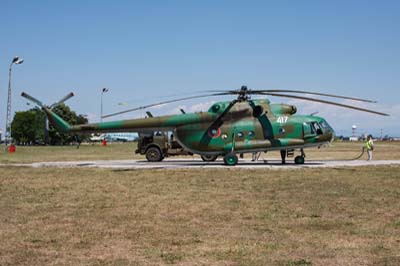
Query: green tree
27, 127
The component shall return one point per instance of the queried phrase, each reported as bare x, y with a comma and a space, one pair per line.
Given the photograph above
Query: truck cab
156, 145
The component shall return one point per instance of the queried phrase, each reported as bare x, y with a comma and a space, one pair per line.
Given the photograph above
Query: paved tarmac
198, 163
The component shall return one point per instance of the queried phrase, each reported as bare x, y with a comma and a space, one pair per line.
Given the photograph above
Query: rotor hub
243, 93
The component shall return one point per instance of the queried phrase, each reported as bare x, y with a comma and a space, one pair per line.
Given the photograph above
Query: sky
150, 51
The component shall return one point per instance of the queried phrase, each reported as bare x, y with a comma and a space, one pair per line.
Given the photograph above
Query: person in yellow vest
369, 145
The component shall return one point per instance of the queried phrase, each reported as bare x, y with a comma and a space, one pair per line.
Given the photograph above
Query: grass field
337, 216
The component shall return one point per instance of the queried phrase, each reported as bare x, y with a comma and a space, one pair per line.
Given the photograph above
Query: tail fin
59, 123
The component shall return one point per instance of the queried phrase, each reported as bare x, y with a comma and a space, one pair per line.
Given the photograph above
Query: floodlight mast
104, 90
16, 60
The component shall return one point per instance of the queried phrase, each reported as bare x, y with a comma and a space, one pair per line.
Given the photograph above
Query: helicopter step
290, 153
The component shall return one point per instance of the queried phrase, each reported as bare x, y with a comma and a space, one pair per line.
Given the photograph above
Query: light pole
104, 90
16, 60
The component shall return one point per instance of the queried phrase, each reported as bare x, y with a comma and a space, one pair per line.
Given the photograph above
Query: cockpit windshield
326, 126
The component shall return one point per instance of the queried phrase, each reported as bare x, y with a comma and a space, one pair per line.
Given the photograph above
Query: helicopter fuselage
258, 126
248, 126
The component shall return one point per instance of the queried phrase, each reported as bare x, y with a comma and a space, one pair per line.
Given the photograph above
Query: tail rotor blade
65, 98
32, 99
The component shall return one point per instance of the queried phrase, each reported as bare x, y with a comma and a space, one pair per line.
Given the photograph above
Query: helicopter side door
308, 130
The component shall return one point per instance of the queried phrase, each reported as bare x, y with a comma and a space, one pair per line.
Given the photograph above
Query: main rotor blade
251, 91
164, 102
323, 101
314, 93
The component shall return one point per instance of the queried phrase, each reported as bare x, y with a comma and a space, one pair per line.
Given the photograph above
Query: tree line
28, 127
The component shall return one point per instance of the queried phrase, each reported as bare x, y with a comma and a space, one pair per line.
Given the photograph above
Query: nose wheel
300, 159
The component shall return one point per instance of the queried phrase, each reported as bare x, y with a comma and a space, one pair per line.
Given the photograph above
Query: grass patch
199, 217
301, 262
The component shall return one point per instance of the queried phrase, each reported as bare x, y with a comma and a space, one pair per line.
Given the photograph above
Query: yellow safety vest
369, 145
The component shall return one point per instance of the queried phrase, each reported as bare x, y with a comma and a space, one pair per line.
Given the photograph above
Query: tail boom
60, 124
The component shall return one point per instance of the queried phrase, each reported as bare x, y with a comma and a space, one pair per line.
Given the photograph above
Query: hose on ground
359, 156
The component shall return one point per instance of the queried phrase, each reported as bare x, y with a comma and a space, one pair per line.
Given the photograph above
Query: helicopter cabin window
251, 134
240, 134
317, 128
282, 130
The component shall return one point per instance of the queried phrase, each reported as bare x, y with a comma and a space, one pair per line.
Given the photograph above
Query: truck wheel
230, 159
153, 154
209, 158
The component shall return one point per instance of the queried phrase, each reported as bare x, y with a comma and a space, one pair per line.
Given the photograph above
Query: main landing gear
209, 158
290, 153
230, 159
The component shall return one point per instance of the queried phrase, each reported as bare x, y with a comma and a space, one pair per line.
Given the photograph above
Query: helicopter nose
331, 135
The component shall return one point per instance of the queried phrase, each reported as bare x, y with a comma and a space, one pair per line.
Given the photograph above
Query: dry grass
349, 150
230, 216
28, 154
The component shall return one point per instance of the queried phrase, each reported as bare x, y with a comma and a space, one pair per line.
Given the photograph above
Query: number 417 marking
282, 119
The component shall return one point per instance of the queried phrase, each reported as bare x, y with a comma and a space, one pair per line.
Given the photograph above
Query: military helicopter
229, 128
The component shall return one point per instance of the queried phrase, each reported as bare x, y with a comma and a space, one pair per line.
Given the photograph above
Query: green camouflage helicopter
228, 128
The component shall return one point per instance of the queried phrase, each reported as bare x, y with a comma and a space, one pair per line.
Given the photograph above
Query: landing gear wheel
154, 154
299, 160
230, 159
209, 158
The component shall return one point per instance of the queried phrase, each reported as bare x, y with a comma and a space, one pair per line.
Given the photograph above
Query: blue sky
146, 51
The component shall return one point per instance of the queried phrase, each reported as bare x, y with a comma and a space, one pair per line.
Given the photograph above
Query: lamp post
16, 60
104, 90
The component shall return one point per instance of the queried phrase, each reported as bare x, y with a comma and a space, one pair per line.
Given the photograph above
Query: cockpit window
317, 128
312, 128
326, 126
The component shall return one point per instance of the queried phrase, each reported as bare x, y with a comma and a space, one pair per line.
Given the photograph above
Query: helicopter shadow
257, 164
